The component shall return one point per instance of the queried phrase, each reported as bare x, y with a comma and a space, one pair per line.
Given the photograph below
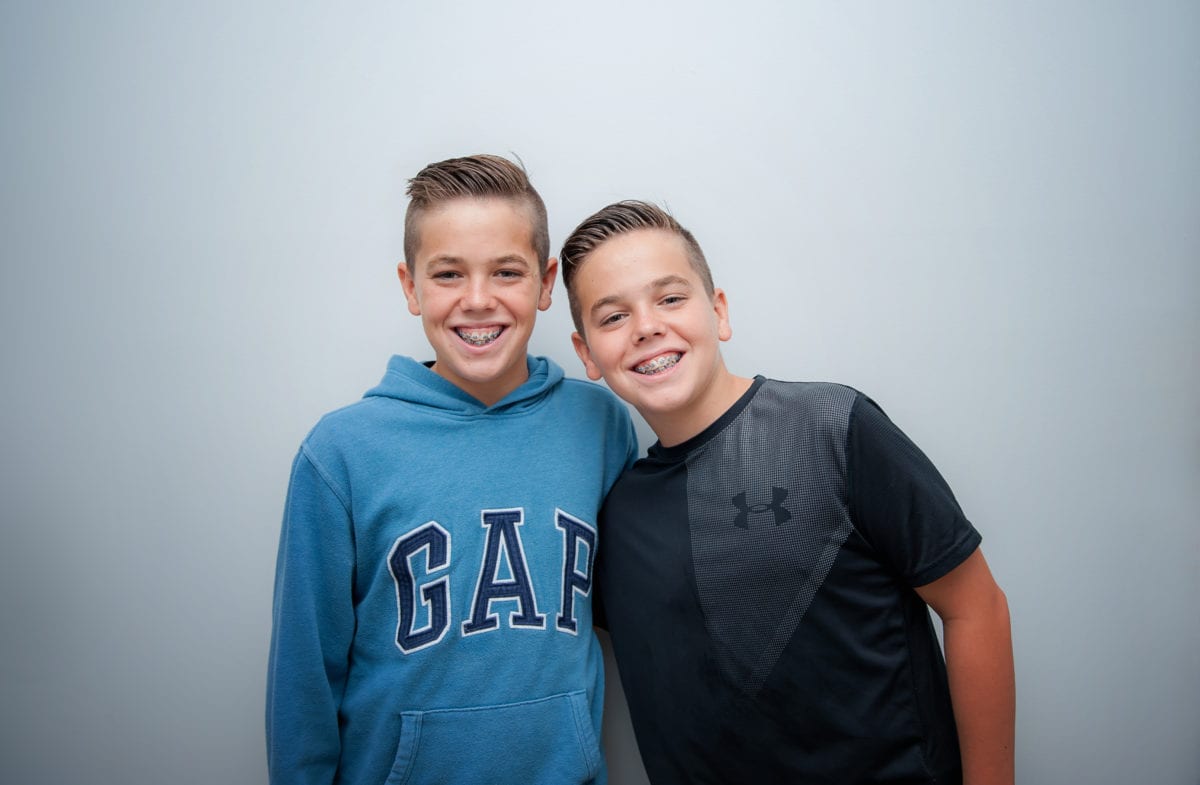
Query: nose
646, 324
479, 295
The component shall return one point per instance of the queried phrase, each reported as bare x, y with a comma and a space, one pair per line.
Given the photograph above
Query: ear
410, 288
548, 279
585, 356
721, 307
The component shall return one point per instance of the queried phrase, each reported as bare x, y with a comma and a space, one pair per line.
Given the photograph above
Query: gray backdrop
985, 215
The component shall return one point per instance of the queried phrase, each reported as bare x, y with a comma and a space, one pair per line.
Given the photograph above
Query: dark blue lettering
435, 596
575, 532
503, 536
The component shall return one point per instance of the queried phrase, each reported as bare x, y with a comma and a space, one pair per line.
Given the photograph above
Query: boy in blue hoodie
432, 614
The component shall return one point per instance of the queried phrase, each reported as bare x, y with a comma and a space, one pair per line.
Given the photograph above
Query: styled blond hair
612, 221
474, 176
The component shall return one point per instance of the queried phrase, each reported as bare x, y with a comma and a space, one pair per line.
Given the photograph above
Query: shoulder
806, 392
586, 389
822, 405
844, 418
348, 417
592, 395
341, 428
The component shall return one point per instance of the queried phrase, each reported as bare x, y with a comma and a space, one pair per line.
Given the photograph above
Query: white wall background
985, 215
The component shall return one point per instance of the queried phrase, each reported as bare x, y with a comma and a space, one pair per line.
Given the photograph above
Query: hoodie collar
414, 382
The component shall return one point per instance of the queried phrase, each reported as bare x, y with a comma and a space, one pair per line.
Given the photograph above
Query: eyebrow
668, 280
447, 261
657, 283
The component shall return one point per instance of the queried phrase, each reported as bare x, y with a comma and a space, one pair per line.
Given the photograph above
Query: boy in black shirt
767, 569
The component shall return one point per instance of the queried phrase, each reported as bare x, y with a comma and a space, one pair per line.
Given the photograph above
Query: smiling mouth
479, 337
658, 364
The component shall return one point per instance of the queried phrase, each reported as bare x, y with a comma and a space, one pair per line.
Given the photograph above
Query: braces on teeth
479, 339
658, 364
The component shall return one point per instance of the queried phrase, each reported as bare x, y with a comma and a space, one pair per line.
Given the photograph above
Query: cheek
610, 357
433, 305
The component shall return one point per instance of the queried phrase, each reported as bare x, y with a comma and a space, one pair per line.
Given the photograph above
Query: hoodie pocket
548, 741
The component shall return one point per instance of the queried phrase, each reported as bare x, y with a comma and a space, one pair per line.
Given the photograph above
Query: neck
674, 428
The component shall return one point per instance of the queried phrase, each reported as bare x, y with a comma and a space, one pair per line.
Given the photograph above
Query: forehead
472, 227
631, 262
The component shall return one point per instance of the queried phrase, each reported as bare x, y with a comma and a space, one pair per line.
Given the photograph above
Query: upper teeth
479, 337
660, 363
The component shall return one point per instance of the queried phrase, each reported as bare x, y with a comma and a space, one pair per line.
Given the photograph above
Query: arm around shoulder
979, 663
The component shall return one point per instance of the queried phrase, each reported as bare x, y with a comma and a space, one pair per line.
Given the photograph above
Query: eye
673, 299
446, 275
611, 319
510, 274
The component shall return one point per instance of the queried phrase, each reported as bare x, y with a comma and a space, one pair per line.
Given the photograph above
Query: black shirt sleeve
599, 617
899, 503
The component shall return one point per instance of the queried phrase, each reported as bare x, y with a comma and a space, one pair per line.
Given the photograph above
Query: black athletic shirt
757, 583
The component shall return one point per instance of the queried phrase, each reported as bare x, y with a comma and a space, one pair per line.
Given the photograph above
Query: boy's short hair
474, 177
612, 221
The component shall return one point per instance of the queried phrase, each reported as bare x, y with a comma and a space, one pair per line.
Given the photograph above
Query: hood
414, 383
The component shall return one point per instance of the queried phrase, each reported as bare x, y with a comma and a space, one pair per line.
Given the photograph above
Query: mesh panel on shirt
766, 505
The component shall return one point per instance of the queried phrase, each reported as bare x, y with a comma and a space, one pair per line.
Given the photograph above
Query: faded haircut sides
612, 221
474, 177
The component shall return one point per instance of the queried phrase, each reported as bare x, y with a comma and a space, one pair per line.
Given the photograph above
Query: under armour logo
776, 505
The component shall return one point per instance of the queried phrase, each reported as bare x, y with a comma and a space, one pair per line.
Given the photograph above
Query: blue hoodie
432, 615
